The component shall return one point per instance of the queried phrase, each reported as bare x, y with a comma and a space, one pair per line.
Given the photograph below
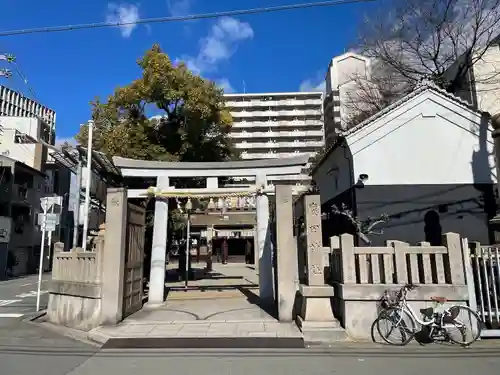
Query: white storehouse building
426, 161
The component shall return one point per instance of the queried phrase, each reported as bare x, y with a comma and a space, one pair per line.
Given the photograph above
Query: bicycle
437, 324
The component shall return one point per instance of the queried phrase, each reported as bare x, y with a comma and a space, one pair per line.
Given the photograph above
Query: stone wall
88, 287
76, 285
360, 275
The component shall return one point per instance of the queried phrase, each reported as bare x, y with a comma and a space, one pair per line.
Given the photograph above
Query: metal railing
485, 262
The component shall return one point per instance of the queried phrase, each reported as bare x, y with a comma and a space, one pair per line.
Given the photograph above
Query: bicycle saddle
427, 312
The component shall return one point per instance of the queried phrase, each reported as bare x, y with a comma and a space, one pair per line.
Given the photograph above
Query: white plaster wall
428, 140
333, 176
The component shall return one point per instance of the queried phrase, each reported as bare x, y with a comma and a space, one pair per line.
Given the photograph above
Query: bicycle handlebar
405, 289
410, 287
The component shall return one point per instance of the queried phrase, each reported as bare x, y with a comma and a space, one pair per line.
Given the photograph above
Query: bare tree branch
415, 39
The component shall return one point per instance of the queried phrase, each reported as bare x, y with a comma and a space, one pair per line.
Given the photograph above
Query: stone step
321, 332
324, 336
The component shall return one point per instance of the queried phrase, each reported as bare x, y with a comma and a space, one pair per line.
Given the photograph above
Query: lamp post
88, 186
189, 207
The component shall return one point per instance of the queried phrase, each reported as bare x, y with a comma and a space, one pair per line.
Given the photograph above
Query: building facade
277, 125
19, 140
480, 86
21, 189
15, 104
425, 164
344, 74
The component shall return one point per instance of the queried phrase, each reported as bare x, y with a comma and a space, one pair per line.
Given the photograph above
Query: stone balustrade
76, 286
360, 276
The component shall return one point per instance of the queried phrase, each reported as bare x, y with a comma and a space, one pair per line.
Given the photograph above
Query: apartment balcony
277, 124
273, 155
274, 103
271, 113
277, 134
298, 144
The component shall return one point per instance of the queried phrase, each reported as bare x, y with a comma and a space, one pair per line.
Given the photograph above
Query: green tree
193, 123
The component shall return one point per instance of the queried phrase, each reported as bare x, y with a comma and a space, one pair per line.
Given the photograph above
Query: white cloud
179, 8
313, 84
219, 45
124, 13
225, 85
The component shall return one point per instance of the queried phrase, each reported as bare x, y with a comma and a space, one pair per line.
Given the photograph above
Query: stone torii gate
261, 170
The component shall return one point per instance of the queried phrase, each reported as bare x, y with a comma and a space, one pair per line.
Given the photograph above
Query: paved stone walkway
217, 317
226, 304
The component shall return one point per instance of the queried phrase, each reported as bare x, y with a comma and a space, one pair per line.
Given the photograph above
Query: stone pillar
315, 307
263, 247
315, 258
113, 267
286, 253
210, 234
159, 249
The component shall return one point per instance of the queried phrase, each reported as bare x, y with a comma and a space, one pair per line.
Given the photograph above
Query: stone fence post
286, 253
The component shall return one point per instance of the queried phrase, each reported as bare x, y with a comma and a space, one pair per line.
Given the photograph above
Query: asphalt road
300, 362
27, 348
18, 296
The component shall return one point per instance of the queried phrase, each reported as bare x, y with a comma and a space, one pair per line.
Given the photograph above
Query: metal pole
88, 186
187, 248
40, 266
76, 213
50, 237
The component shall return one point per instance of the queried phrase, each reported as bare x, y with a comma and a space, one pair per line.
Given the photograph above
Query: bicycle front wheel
397, 323
462, 325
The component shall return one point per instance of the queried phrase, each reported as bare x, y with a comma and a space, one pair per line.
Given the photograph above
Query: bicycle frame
404, 306
408, 309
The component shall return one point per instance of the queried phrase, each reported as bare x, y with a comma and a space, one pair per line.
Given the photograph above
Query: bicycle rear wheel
462, 325
398, 322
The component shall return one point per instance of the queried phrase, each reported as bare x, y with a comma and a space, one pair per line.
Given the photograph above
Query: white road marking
33, 293
11, 315
5, 302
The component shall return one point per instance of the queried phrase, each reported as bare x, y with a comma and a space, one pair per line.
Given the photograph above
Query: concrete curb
71, 333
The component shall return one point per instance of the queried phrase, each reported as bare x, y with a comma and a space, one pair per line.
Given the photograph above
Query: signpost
48, 223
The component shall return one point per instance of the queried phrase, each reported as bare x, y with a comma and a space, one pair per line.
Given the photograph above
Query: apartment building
28, 174
19, 140
480, 86
21, 189
15, 104
342, 87
277, 125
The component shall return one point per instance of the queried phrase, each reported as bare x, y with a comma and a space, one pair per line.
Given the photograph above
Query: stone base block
318, 309
321, 332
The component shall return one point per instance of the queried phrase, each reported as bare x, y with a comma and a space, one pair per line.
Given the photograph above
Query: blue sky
274, 52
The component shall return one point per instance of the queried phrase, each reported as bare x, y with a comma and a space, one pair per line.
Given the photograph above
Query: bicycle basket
389, 299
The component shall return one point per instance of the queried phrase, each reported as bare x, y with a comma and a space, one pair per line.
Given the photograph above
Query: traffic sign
48, 202
48, 222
